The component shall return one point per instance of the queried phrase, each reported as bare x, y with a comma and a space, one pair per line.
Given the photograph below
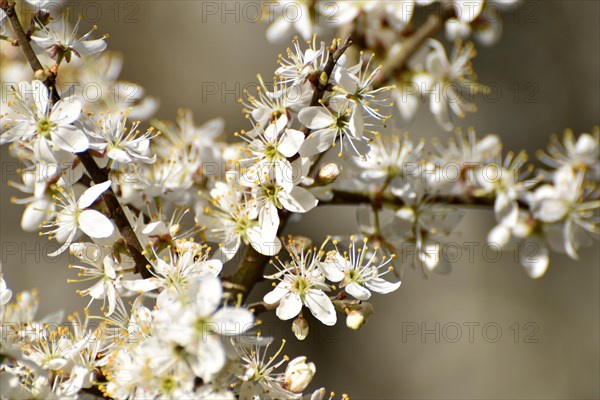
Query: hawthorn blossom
46, 125
271, 197
569, 206
271, 150
356, 84
581, 154
111, 136
98, 266
450, 76
301, 283
508, 183
359, 272
454, 165
330, 123
526, 236
295, 17
117, 96
40, 202
389, 157
299, 65
424, 225
234, 219
75, 215
197, 323
61, 42
259, 377
174, 276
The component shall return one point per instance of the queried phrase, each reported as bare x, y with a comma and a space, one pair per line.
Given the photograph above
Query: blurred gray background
547, 66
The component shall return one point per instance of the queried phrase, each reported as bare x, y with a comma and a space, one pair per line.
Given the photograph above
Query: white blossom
74, 215
301, 283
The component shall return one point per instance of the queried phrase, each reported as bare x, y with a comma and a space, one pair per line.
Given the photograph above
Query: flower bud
298, 375
328, 173
300, 327
356, 318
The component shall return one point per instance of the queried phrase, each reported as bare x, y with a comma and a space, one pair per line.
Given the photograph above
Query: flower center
271, 151
300, 286
354, 276
44, 127
342, 121
203, 326
167, 384
272, 193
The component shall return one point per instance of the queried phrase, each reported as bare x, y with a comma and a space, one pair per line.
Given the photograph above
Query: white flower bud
300, 328
298, 375
356, 318
328, 173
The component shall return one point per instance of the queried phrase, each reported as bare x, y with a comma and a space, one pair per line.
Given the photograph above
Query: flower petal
95, 224
69, 138
357, 291
315, 118
91, 194
321, 306
289, 306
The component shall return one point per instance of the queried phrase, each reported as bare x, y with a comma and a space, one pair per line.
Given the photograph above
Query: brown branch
97, 174
23, 42
250, 270
341, 197
393, 66
321, 78
117, 214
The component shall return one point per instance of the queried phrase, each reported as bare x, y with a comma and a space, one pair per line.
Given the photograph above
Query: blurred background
486, 331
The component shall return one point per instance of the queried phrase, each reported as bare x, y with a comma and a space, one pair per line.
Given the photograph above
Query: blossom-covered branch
184, 201
96, 173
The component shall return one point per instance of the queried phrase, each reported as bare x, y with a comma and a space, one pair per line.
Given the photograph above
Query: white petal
142, 285
347, 81
332, 271
208, 295
318, 142
65, 112
35, 214
279, 31
382, 286
315, 118
321, 306
268, 219
290, 143
499, 235
506, 210
41, 96
276, 294
69, 138
95, 224
97, 291
357, 291
299, 200
289, 306
263, 242
91, 194
233, 320
535, 263
89, 47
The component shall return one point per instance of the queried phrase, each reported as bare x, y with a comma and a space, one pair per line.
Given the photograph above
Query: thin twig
341, 197
97, 174
396, 64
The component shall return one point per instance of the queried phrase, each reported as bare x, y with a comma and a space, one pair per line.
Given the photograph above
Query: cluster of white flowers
151, 214
385, 26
